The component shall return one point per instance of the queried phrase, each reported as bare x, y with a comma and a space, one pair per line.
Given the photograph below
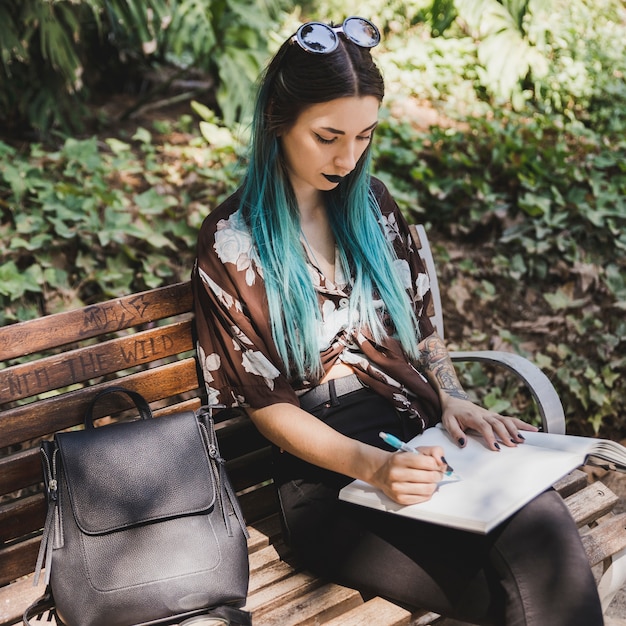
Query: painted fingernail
497, 445
513, 440
461, 441
449, 470
521, 436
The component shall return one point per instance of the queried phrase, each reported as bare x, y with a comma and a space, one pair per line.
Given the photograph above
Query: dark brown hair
296, 79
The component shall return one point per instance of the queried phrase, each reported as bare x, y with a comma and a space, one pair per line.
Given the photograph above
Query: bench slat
263, 533
76, 366
15, 599
238, 437
591, 503
606, 539
25, 423
571, 483
264, 557
269, 575
20, 470
18, 560
253, 469
269, 598
375, 611
316, 606
259, 504
34, 335
23, 517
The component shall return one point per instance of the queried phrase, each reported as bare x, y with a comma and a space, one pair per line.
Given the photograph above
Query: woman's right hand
405, 477
409, 478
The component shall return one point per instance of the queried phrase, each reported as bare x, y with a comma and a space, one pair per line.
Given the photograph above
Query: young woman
311, 314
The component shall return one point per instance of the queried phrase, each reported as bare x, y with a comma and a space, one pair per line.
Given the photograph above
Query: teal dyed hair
294, 80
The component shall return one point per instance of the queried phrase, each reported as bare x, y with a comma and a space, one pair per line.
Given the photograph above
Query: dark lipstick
333, 179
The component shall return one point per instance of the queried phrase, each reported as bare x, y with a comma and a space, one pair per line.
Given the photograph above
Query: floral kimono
239, 360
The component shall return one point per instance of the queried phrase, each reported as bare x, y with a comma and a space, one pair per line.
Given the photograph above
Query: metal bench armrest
541, 388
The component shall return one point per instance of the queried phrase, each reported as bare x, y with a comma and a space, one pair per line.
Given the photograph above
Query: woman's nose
347, 157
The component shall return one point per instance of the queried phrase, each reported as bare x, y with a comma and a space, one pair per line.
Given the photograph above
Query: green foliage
505, 54
49, 50
533, 172
549, 54
94, 220
40, 32
54, 54
549, 196
562, 186
228, 39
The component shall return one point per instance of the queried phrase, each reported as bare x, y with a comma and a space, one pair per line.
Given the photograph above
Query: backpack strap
51, 532
39, 607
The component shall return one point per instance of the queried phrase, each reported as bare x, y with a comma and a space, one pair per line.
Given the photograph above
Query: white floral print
240, 337
334, 321
209, 363
390, 226
402, 402
422, 285
223, 296
403, 270
257, 363
233, 244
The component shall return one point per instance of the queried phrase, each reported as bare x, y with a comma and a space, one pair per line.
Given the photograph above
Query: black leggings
530, 570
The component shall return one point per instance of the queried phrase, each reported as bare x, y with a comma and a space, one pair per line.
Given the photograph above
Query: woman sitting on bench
310, 305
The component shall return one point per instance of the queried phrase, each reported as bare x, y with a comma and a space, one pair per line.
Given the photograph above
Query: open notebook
492, 485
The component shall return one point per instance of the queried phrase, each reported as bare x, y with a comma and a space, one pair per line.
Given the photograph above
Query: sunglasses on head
321, 38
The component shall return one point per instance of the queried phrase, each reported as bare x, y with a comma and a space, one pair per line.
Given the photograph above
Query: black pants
530, 570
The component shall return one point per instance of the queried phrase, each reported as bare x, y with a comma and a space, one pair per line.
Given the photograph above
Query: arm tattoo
439, 367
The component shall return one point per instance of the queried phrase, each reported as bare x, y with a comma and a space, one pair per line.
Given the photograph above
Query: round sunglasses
320, 38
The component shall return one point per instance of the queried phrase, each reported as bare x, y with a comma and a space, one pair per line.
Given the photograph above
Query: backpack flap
133, 473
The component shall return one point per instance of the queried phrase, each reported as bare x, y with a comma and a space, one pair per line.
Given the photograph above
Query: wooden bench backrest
143, 342
53, 366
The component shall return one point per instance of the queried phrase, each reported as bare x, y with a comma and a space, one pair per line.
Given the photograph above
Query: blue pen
394, 442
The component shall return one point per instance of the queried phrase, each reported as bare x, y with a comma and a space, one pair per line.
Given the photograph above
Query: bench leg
613, 578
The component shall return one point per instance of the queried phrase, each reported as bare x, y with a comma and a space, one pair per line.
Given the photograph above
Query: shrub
55, 54
98, 219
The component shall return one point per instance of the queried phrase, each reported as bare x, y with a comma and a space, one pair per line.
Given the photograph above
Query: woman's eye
324, 141
368, 138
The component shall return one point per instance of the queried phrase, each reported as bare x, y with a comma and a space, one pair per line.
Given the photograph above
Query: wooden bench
51, 368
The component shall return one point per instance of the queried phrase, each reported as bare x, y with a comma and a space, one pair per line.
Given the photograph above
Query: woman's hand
409, 478
460, 415
405, 477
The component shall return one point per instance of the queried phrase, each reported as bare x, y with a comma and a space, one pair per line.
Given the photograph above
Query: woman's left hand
460, 415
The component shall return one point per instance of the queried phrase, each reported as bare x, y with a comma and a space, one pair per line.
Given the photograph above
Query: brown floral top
239, 360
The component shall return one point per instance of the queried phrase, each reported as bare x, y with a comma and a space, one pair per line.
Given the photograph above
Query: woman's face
327, 140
